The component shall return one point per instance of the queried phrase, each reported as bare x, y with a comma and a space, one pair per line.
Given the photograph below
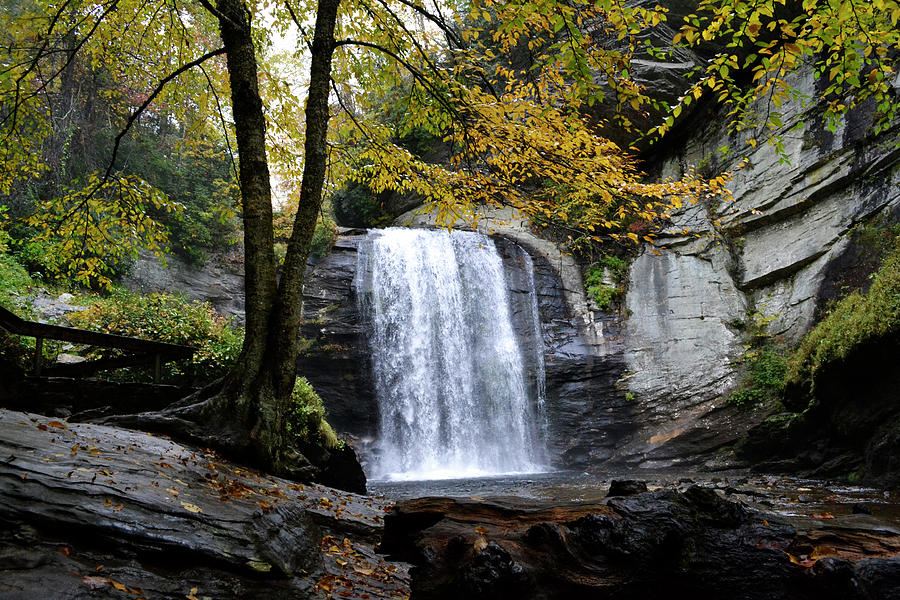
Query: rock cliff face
771, 258
220, 281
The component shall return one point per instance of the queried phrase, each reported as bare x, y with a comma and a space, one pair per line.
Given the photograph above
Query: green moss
855, 320
306, 417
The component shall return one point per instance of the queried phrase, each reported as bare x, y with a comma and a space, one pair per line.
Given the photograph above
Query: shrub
855, 320
173, 319
322, 240
355, 205
323, 237
765, 378
306, 417
604, 294
14, 279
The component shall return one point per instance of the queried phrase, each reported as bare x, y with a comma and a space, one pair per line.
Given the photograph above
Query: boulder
90, 511
654, 544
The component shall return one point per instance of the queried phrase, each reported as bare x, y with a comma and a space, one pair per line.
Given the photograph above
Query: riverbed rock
655, 544
625, 487
90, 511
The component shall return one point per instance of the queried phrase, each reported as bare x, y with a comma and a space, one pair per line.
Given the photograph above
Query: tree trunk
257, 393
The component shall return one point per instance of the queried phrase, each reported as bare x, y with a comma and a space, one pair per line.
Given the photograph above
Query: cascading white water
448, 368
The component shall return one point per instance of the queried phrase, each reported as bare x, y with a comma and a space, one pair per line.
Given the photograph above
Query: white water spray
448, 368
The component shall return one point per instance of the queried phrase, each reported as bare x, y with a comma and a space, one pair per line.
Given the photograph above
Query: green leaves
92, 229
851, 46
172, 319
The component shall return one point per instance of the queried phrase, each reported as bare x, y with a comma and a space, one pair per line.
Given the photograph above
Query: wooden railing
145, 351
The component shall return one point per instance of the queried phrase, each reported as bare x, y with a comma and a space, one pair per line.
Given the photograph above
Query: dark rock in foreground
656, 544
625, 487
88, 511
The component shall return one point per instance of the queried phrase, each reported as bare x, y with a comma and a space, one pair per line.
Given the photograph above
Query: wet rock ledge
658, 544
88, 511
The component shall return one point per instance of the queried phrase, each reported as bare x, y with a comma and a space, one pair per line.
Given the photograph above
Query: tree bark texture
315, 165
258, 392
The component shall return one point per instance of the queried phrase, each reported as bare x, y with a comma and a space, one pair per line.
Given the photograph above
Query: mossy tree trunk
252, 406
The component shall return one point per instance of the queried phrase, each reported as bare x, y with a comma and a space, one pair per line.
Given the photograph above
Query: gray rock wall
768, 257
220, 281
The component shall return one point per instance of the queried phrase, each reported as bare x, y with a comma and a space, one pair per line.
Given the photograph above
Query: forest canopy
499, 95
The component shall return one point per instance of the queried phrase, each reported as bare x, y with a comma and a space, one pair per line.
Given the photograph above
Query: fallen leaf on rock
191, 507
57, 424
480, 544
118, 507
824, 515
65, 550
801, 563
476, 498
108, 502
363, 570
42, 427
172, 491
481, 530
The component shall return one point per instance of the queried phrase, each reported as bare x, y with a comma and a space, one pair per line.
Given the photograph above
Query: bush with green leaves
764, 381
857, 319
306, 417
323, 237
14, 285
173, 319
14, 278
606, 295
355, 205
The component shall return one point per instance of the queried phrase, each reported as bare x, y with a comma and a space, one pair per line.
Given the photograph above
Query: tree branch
216, 12
185, 67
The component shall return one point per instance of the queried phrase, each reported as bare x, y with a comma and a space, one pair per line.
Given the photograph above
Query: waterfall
449, 374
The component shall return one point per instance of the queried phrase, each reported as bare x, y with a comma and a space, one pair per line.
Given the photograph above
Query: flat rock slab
663, 543
89, 511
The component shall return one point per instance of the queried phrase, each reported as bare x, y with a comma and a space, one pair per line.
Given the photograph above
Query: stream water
454, 397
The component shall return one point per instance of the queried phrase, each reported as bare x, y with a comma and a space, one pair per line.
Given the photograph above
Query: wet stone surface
88, 511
